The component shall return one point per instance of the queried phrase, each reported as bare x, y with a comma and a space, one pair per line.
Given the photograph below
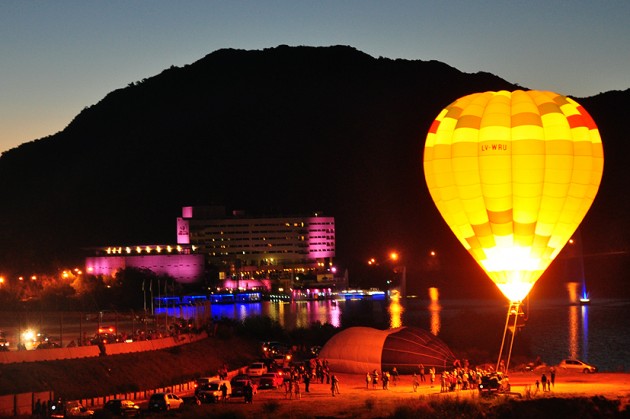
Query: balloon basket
514, 320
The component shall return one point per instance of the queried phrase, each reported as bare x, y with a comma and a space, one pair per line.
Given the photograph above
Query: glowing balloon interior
513, 174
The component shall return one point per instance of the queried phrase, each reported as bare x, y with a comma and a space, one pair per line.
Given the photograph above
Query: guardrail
38, 355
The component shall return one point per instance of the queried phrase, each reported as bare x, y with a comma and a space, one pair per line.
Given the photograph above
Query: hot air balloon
513, 174
357, 350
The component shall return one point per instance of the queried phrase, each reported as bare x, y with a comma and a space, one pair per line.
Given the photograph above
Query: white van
256, 369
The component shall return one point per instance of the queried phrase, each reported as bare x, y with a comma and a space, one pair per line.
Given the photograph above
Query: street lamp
395, 257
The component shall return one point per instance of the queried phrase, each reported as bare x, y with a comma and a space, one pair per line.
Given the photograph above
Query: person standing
552, 378
296, 388
224, 390
414, 382
334, 384
394, 376
374, 379
248, 391
421, 368
288, 388
543, 381
307, 381
37, 410
432, 375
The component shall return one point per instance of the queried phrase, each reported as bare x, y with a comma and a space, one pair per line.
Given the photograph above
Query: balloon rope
517, 312
513, 307
507, 320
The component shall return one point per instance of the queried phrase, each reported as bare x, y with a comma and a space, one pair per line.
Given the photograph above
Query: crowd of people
297, 378
461, 376
547, 382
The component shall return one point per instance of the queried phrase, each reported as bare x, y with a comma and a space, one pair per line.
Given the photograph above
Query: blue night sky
58, 57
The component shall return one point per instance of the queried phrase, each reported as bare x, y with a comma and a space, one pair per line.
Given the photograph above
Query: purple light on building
183, 231
185, 268
248, 284
321, 237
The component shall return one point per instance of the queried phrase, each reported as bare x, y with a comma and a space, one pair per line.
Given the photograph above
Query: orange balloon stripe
434, 126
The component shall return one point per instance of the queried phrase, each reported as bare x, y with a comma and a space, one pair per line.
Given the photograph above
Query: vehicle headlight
28, 335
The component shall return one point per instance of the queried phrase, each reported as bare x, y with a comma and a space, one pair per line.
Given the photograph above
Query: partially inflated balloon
513, 174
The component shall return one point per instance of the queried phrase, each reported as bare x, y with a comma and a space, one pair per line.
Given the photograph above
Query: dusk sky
61, 56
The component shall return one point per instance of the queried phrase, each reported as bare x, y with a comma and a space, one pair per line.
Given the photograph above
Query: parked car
238, 387
282, 360
72, 409
202, 381
122, 407
211, 392
280, 349
267, 347
106, 334
4, 342
239, 377
576, 365
165, 401
270, 380
256, 369
48, 345
492, 384
269, 363
193, 400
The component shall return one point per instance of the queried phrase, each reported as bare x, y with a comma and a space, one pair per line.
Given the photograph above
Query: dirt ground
357, 401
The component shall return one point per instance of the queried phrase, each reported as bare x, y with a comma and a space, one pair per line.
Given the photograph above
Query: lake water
597, 333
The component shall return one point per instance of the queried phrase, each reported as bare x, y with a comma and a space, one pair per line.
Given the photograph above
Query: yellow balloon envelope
513, 174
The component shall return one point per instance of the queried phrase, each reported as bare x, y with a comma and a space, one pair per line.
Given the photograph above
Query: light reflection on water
395, 310
596, 334
290, 315
574, 332
584, 332
434, 309
554, 330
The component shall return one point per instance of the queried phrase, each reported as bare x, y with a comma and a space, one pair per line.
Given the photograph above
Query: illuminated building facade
277, 248
267, 253
258, 241
179, 262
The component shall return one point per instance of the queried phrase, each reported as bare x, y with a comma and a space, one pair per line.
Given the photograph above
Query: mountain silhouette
285, 130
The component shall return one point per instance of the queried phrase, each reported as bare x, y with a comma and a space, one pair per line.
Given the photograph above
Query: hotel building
245, 248
272, 253
305, 241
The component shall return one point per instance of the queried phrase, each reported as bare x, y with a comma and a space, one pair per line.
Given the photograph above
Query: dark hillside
286, 129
